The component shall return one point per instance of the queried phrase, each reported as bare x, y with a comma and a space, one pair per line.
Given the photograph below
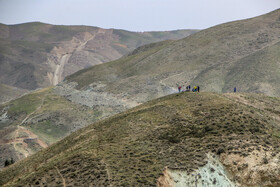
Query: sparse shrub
7, 162
220, 151
265, 161
207, 128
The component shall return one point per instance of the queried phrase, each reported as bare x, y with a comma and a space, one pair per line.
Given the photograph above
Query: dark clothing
198, 88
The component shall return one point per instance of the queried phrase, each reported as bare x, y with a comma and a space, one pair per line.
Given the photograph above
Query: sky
134, 15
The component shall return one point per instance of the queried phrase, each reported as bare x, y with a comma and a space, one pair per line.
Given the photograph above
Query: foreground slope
229, 140
35, 55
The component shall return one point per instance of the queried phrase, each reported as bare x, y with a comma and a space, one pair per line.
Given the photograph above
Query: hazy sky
134, 15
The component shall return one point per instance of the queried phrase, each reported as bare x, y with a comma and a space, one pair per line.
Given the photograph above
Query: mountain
242, 54
186, 139
37, 55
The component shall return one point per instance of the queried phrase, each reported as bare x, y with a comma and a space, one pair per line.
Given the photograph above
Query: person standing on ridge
197, 88
179, 88
234, 89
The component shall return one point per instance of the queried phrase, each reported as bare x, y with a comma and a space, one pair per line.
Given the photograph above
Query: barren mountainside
242, 54
185, 139
36, 55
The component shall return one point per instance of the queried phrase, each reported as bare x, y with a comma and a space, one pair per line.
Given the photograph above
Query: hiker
197, 88
179, 88
234, 89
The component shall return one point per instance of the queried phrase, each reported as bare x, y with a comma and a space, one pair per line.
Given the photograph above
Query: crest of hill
240, 54
177, 132
36, 55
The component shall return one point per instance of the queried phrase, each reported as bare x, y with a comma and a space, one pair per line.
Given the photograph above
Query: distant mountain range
37, 55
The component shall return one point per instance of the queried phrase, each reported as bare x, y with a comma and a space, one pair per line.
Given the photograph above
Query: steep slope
34, 55
182, 139
240, 54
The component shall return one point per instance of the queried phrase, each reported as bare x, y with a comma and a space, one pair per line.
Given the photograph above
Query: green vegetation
50, 132
26, 104
9, 162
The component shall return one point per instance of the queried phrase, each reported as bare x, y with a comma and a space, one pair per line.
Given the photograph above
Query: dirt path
108, 172
20, 129
38, 108
83, 44
32, 135
59, 69
63, 58
62, 178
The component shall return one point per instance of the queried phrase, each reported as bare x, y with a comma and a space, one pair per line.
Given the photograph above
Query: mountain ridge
36, 55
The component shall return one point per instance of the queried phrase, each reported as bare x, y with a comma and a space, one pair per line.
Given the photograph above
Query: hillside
37, 55
178, 140
242, 54
8, 92
37, 120
234, 54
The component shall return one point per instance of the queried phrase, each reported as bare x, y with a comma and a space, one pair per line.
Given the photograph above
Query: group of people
188, 88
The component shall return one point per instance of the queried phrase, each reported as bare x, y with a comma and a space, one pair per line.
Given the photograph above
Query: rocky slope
36, 55
184, 139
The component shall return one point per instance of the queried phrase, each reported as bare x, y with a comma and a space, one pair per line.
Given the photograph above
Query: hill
37, 55
38, 119
8, 92
242, 54
234, 54
181, 139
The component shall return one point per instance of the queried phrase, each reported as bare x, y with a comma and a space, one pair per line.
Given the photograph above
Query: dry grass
132, 148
